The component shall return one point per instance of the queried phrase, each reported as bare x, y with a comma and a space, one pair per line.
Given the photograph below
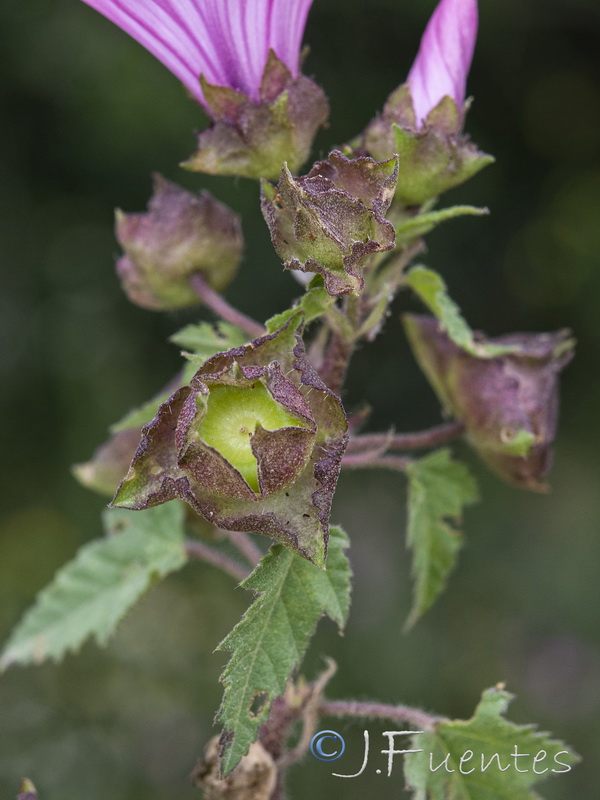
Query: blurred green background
86, 116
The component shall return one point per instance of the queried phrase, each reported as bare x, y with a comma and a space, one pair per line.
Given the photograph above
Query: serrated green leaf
272, 636
438, 490
205, 339
497, 756
432, 290
421, 224
314, 304
91, 594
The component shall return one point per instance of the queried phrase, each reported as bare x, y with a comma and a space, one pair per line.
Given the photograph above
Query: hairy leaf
438, 490
432, 290
271, 638
423, 223
314, 304
91, 594
484, 758
203, 340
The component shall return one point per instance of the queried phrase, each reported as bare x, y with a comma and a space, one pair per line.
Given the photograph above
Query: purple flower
226, 41
444, 58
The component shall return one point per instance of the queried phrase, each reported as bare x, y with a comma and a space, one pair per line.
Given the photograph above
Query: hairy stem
341, 345
420, 440
246, 546
352, 708
373, 460
336, 361
200, 551
222, 308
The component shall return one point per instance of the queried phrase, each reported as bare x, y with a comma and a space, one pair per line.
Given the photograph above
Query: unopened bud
105, 470
508, 403
332, 220
180, 235
27, 791
423, 119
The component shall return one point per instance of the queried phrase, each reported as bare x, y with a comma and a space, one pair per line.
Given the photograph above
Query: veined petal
444, 58
226, 41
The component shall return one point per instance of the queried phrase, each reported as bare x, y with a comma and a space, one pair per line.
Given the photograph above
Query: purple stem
406, 441
221, 307
335, 363
200, 551
353, 708
373, 460
246, 546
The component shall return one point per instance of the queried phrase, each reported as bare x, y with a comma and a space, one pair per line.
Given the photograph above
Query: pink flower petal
226, 41
444, 58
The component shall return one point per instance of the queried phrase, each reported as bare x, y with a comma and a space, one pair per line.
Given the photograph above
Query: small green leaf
272, 636
421, 224
432, 290
314, 304
90, 595
484, 758
438, 490
205, 339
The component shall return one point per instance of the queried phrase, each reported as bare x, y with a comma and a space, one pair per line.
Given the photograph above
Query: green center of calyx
231, 417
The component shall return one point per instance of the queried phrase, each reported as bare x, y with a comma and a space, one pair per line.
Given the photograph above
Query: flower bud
422, 120
508, 403
331, 220
444, 58
180, 235
253, 138
241, 62
27, 791
105, 470
253, 443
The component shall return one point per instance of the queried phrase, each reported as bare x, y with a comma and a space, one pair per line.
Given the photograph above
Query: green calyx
232, 415
252, 139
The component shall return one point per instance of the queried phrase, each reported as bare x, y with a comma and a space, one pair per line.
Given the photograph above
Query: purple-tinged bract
508, 403
254, 443
181, 234
332, 220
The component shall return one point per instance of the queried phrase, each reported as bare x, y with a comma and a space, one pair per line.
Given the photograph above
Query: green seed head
232, 414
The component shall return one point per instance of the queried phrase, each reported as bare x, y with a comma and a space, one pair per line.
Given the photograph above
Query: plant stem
335, 363
246, 546
222, 308
420, 440
200, 551
353, 708
341, 346
373, 460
